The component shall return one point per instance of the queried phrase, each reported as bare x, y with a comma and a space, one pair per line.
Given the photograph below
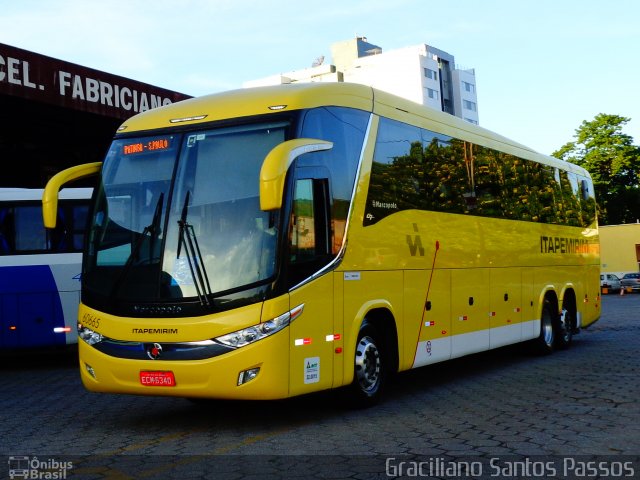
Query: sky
542, 67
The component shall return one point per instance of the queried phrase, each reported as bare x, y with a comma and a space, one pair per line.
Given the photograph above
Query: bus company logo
163, 310
415, 243
155, 330
32, 467
154, 351
563, 245
385, 205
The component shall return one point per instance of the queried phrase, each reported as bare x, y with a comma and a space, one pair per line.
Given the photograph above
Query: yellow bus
270, 242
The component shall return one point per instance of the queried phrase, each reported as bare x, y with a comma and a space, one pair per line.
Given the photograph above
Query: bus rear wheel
369, 376
564, 328
547, 338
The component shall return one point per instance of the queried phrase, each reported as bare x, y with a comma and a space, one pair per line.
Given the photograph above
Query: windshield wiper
187, 238
154, 231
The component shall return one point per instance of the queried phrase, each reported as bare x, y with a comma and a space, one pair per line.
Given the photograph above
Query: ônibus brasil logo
26, 467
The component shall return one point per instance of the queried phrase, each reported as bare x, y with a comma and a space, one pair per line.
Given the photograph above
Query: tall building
420, 73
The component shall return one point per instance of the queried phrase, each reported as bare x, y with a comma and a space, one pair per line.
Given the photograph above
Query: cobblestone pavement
508, 407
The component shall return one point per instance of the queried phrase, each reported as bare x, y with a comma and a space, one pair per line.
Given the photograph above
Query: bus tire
370, 368
546, 340
564, 328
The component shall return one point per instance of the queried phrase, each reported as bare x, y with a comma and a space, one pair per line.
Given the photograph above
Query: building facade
55, 114
620, 248
419, 73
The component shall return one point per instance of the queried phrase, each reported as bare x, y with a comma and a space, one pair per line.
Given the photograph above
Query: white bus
40, 268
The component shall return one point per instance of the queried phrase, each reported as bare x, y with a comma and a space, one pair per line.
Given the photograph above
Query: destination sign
149, 146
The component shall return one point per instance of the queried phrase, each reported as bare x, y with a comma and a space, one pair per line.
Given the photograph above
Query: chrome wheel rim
547, 330
367, 364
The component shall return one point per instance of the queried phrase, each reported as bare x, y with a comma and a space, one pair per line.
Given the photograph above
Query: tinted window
22, 230
346, 128
414, 168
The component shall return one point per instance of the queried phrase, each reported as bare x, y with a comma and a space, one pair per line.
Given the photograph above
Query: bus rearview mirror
275, 166
50, 194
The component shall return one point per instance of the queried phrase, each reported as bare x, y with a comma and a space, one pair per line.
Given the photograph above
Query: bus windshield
178, 217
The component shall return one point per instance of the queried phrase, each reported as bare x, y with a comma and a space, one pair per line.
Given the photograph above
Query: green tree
613, 161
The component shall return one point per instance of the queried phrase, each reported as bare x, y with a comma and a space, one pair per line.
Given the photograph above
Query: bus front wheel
369, 374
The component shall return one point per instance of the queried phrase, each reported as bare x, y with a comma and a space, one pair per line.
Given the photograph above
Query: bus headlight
254, 333
88, 335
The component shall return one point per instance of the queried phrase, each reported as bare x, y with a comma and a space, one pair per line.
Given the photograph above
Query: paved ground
490, 415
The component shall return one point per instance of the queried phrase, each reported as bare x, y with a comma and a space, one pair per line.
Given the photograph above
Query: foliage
613, 161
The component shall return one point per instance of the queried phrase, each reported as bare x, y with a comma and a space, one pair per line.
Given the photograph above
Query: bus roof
272, 99
252, 101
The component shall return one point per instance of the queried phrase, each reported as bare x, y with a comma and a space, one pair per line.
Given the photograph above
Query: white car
631, 281
609, 280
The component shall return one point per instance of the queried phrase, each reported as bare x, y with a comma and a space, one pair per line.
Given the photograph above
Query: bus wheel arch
566, 322
375, 357
546, 341
384, 322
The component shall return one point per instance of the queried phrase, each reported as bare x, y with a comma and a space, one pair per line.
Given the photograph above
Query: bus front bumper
262, 366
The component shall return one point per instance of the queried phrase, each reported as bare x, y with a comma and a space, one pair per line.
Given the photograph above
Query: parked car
609, 280
631, 280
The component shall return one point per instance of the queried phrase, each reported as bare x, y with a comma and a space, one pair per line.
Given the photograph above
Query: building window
432, 74
471, 120
469, 105
431, 93
468, 87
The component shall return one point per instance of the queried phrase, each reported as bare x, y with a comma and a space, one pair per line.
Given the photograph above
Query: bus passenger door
311, 366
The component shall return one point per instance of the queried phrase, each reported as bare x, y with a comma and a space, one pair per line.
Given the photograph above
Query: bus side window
30, 232
57, 237
80, 215
6, 231
309, 234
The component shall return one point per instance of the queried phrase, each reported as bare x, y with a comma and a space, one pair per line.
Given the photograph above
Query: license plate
157, 379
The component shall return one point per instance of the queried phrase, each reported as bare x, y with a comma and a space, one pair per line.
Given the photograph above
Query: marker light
241, 338
62, 329
187, 119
